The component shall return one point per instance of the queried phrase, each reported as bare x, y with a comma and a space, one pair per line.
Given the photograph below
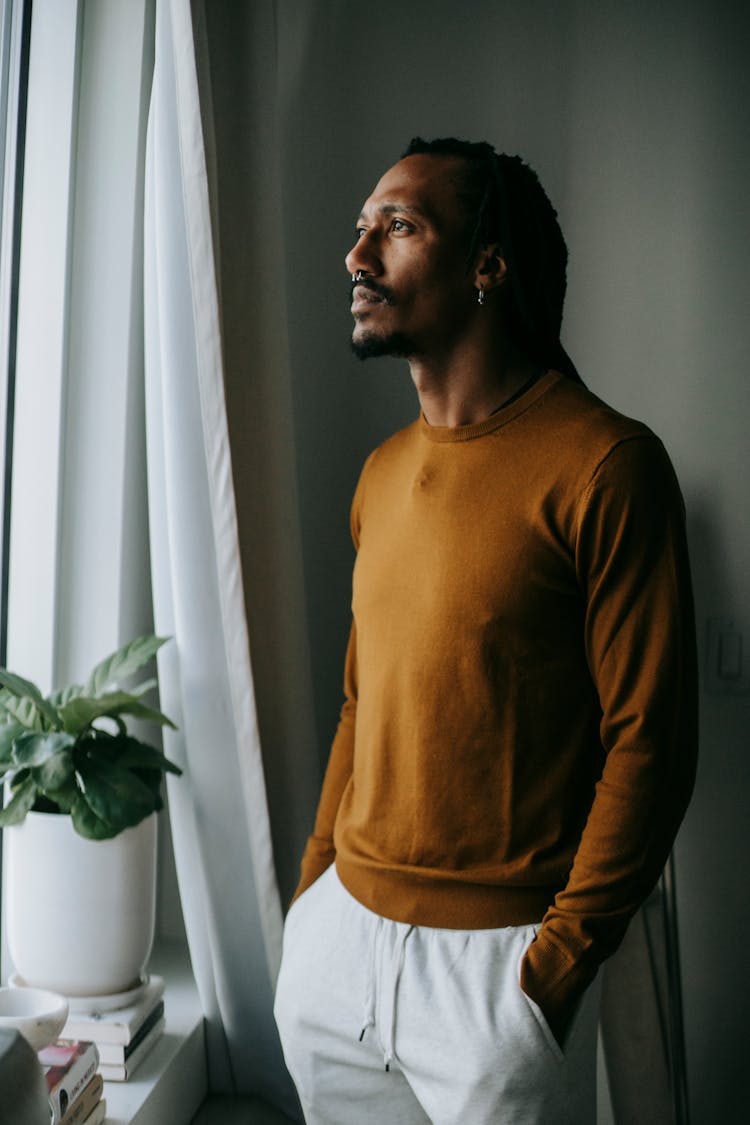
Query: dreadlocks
506, 204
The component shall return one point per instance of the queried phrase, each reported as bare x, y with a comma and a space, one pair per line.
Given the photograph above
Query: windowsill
170, 1084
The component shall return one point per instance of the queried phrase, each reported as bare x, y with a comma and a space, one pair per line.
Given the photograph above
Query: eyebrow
396, 208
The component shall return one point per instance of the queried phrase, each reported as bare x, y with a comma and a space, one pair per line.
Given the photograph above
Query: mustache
380, 290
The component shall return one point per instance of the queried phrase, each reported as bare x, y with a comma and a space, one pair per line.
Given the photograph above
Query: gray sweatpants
383, 1023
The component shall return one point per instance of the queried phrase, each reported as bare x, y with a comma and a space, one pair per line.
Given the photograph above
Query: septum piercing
358, 276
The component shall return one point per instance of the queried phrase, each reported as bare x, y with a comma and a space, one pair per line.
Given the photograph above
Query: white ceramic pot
80, 913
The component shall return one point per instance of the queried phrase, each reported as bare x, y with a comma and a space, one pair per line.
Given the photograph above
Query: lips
366, 295
363, 300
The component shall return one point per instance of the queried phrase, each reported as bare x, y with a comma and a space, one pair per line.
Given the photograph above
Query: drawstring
397, 966
399, 956
369, 1016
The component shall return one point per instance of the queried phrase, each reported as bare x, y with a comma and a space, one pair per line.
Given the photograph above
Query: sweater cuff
555, 981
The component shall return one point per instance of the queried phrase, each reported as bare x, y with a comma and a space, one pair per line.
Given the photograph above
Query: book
68, 1069
118, 1025
111, 1053
87, 1100
97, 1115
120, 1072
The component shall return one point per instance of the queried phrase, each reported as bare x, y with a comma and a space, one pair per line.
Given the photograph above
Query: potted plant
82, 797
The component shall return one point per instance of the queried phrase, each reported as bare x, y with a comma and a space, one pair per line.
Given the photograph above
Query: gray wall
635, 117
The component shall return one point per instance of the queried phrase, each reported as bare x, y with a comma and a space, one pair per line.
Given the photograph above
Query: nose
363, 256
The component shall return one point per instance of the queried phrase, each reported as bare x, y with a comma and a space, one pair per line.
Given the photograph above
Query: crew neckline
496, 420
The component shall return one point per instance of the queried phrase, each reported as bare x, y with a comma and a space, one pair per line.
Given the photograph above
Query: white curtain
641, 1017
220, 819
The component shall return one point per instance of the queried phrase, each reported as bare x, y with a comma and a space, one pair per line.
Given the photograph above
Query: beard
371, 344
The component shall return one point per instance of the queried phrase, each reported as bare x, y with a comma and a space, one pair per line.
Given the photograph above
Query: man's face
416, 295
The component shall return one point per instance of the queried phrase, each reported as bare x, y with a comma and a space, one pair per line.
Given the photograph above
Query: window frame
15, 36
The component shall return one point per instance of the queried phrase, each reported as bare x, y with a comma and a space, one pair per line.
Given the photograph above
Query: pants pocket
538, 1015
299, 906
293, 968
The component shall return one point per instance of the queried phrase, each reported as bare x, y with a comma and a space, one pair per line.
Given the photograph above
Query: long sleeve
319, 851
632, 566
523, 682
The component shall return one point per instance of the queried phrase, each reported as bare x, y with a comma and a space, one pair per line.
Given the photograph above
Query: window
14, 57
15, 17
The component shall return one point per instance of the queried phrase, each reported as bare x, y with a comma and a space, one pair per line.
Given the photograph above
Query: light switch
726, 669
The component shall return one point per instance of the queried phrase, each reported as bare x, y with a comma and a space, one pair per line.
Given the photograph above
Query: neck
471, 386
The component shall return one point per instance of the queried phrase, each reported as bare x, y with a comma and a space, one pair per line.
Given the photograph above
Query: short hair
505, 203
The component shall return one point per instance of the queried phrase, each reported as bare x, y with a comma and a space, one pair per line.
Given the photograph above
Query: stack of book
74, 1088
122, 1036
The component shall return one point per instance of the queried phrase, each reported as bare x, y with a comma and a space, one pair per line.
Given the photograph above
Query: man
517, 746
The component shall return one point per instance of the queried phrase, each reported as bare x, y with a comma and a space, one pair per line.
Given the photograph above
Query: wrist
555, 984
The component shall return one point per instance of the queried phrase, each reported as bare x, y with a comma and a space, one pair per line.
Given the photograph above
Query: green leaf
24, 689
64, 797
17, 685
88, 824
22, 710
9, 732
153, 779
56, 772
80, 713
116, 795
140, 710
140, 689
37, 748
123, 663
139, 755
64, 695
21, 803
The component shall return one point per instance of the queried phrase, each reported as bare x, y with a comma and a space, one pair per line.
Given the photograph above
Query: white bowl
95, 1003
39, 1015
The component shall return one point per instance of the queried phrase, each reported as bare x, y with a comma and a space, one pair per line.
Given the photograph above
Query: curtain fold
219, 812
637, 1026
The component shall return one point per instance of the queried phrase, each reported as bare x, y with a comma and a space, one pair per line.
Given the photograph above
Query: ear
491, 268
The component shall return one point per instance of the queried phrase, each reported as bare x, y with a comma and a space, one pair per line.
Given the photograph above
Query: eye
399, 226
359, 231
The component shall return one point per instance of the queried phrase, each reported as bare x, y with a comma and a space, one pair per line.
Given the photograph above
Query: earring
480, 296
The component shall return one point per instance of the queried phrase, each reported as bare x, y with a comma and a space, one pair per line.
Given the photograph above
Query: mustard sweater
518, 740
